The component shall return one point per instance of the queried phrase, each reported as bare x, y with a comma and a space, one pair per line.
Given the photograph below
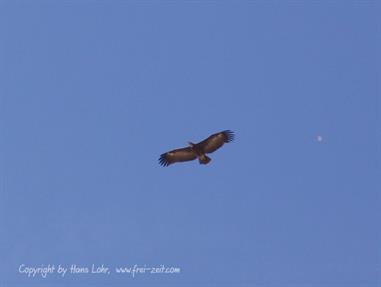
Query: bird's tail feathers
203, 159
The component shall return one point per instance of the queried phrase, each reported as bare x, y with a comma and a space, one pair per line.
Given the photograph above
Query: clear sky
92, 92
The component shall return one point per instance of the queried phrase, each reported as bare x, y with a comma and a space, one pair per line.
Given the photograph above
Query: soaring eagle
198, 150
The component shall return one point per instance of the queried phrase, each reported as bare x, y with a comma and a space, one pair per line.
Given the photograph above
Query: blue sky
92, 92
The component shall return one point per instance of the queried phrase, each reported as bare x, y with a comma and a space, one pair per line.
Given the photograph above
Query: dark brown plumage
198, 150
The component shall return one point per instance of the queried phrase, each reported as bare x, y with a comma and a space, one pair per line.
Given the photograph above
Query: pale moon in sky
319, 138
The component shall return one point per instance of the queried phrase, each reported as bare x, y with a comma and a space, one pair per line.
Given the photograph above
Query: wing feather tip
163, 160
229, 134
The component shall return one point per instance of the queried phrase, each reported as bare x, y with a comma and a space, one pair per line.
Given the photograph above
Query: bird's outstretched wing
216, 141
177, 155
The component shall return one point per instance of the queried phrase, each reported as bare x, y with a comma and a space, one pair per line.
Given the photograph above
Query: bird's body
198, 150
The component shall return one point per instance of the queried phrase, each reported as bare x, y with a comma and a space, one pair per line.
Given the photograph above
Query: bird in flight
199, 150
